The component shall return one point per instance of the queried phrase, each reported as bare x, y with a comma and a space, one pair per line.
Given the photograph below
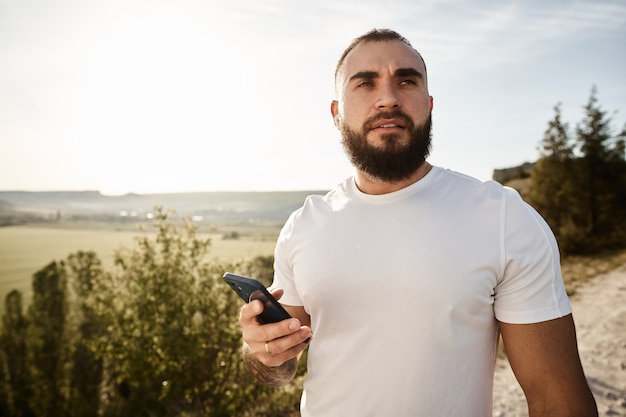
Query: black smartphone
250, 289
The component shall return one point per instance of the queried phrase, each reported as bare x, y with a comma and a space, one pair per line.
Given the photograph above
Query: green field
26, 249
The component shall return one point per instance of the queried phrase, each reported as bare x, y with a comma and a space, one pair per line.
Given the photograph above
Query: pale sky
187, 95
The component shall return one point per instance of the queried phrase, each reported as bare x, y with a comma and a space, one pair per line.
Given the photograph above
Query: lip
388, 124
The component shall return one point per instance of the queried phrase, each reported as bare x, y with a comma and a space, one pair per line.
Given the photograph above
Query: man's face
384, 109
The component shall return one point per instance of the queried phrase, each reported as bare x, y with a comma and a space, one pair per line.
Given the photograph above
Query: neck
369, 185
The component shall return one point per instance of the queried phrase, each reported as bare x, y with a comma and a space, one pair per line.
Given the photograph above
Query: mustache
394, 114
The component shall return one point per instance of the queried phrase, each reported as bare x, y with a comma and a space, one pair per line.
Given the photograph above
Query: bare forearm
582, 408
272, 376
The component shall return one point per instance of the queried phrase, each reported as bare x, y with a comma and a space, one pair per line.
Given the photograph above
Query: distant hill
17, 206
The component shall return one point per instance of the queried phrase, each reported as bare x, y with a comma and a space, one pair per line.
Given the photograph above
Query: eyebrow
400, 72
407, 72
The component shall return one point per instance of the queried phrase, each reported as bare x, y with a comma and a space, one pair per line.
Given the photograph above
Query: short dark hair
376, 35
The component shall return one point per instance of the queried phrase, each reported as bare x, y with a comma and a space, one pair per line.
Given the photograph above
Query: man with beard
401, 278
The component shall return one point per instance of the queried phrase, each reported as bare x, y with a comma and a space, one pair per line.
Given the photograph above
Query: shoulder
464, 188
334, 200
316, 207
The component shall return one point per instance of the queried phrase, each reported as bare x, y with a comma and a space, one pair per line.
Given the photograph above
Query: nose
388, 98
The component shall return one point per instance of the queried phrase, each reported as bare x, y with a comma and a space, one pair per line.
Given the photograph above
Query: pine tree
616, 166
617, 152
602, 176
552, 183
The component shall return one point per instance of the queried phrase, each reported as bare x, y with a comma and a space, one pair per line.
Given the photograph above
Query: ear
431, 103
334, 108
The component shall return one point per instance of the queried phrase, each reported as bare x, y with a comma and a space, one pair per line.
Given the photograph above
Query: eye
365, 84
408, 82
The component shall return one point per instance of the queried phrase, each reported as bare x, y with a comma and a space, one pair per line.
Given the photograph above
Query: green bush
158, 335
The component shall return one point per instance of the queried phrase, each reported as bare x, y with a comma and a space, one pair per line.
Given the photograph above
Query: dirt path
599, 309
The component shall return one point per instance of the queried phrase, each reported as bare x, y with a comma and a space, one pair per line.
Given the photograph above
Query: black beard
392, 162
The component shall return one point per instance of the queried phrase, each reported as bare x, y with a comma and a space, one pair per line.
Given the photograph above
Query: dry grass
26, 249
578, 269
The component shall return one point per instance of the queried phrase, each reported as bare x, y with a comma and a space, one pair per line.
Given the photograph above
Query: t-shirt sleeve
531, 289
283, 271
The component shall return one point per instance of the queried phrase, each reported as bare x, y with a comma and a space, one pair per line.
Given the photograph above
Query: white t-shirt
404, 290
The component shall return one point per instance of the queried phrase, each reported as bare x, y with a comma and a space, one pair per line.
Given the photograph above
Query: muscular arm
544, 358
285, 341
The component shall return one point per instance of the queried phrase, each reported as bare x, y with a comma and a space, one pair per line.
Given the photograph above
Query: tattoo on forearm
272, 376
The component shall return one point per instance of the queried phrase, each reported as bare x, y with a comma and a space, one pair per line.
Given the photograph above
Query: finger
276, 292
255, 334
284, 334
285, 343
249, 311
279, 359
272, 331
285, 349
255, 307
281, 330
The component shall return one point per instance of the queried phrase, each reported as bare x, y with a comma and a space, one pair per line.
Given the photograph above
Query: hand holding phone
250, 289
